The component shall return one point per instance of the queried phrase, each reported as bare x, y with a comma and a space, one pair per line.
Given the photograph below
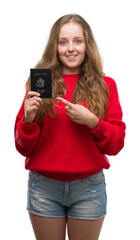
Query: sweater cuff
27, 127
99, 130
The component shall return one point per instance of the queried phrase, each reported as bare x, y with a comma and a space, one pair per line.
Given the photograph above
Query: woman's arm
108, 134
27, 130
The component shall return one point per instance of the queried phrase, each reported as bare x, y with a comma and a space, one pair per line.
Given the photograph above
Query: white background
24, 30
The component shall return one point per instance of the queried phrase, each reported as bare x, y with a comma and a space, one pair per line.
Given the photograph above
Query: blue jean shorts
80, 199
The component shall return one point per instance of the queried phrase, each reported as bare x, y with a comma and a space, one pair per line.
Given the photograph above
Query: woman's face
71, 47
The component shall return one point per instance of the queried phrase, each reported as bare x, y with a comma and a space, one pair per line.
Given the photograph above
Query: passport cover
41, 81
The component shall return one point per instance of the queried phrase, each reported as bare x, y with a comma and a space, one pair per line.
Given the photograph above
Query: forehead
71, 29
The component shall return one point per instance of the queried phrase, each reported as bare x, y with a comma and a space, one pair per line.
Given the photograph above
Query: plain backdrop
24, 30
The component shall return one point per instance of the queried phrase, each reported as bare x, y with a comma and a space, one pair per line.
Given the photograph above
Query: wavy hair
90, 86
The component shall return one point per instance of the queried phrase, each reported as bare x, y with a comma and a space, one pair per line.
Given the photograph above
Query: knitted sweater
64, 150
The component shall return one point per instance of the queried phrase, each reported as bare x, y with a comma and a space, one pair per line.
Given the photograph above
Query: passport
41, 81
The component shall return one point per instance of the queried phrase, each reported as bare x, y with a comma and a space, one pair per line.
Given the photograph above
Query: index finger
69, 104
32, 94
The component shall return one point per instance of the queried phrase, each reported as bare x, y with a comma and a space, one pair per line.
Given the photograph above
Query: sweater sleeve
110, 133
26, 135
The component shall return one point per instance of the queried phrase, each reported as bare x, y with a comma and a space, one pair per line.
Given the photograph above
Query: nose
70, 47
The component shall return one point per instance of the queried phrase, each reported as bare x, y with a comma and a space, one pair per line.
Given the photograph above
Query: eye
62, 43
78, 41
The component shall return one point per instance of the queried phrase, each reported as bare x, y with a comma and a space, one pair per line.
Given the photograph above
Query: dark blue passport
41, 81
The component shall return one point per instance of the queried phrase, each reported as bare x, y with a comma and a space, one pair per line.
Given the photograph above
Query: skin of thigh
48, 228
79, 229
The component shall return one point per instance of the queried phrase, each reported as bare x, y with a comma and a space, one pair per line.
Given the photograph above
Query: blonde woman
65, 139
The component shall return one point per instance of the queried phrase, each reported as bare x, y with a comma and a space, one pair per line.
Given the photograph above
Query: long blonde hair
90, 86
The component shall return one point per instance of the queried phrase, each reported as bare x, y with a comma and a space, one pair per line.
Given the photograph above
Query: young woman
66, 139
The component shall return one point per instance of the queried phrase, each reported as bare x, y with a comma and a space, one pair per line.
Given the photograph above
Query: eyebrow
74, 37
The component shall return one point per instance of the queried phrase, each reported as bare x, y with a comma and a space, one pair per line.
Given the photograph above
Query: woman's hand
80, 114
31, 105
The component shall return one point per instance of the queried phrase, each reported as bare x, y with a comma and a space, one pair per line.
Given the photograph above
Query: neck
71, 71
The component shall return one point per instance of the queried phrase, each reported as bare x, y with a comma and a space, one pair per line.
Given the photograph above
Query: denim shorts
80, 199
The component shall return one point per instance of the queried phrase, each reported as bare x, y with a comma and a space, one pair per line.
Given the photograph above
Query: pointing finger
69, 104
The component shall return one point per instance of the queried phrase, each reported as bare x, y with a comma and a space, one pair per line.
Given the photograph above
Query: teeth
71, 56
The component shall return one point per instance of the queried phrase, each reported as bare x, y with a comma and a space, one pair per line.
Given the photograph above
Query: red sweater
64, 150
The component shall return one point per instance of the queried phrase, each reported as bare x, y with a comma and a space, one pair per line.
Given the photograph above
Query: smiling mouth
71, 56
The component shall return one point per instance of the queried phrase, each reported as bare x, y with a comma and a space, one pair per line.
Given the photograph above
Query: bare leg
79, 229
48, 228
